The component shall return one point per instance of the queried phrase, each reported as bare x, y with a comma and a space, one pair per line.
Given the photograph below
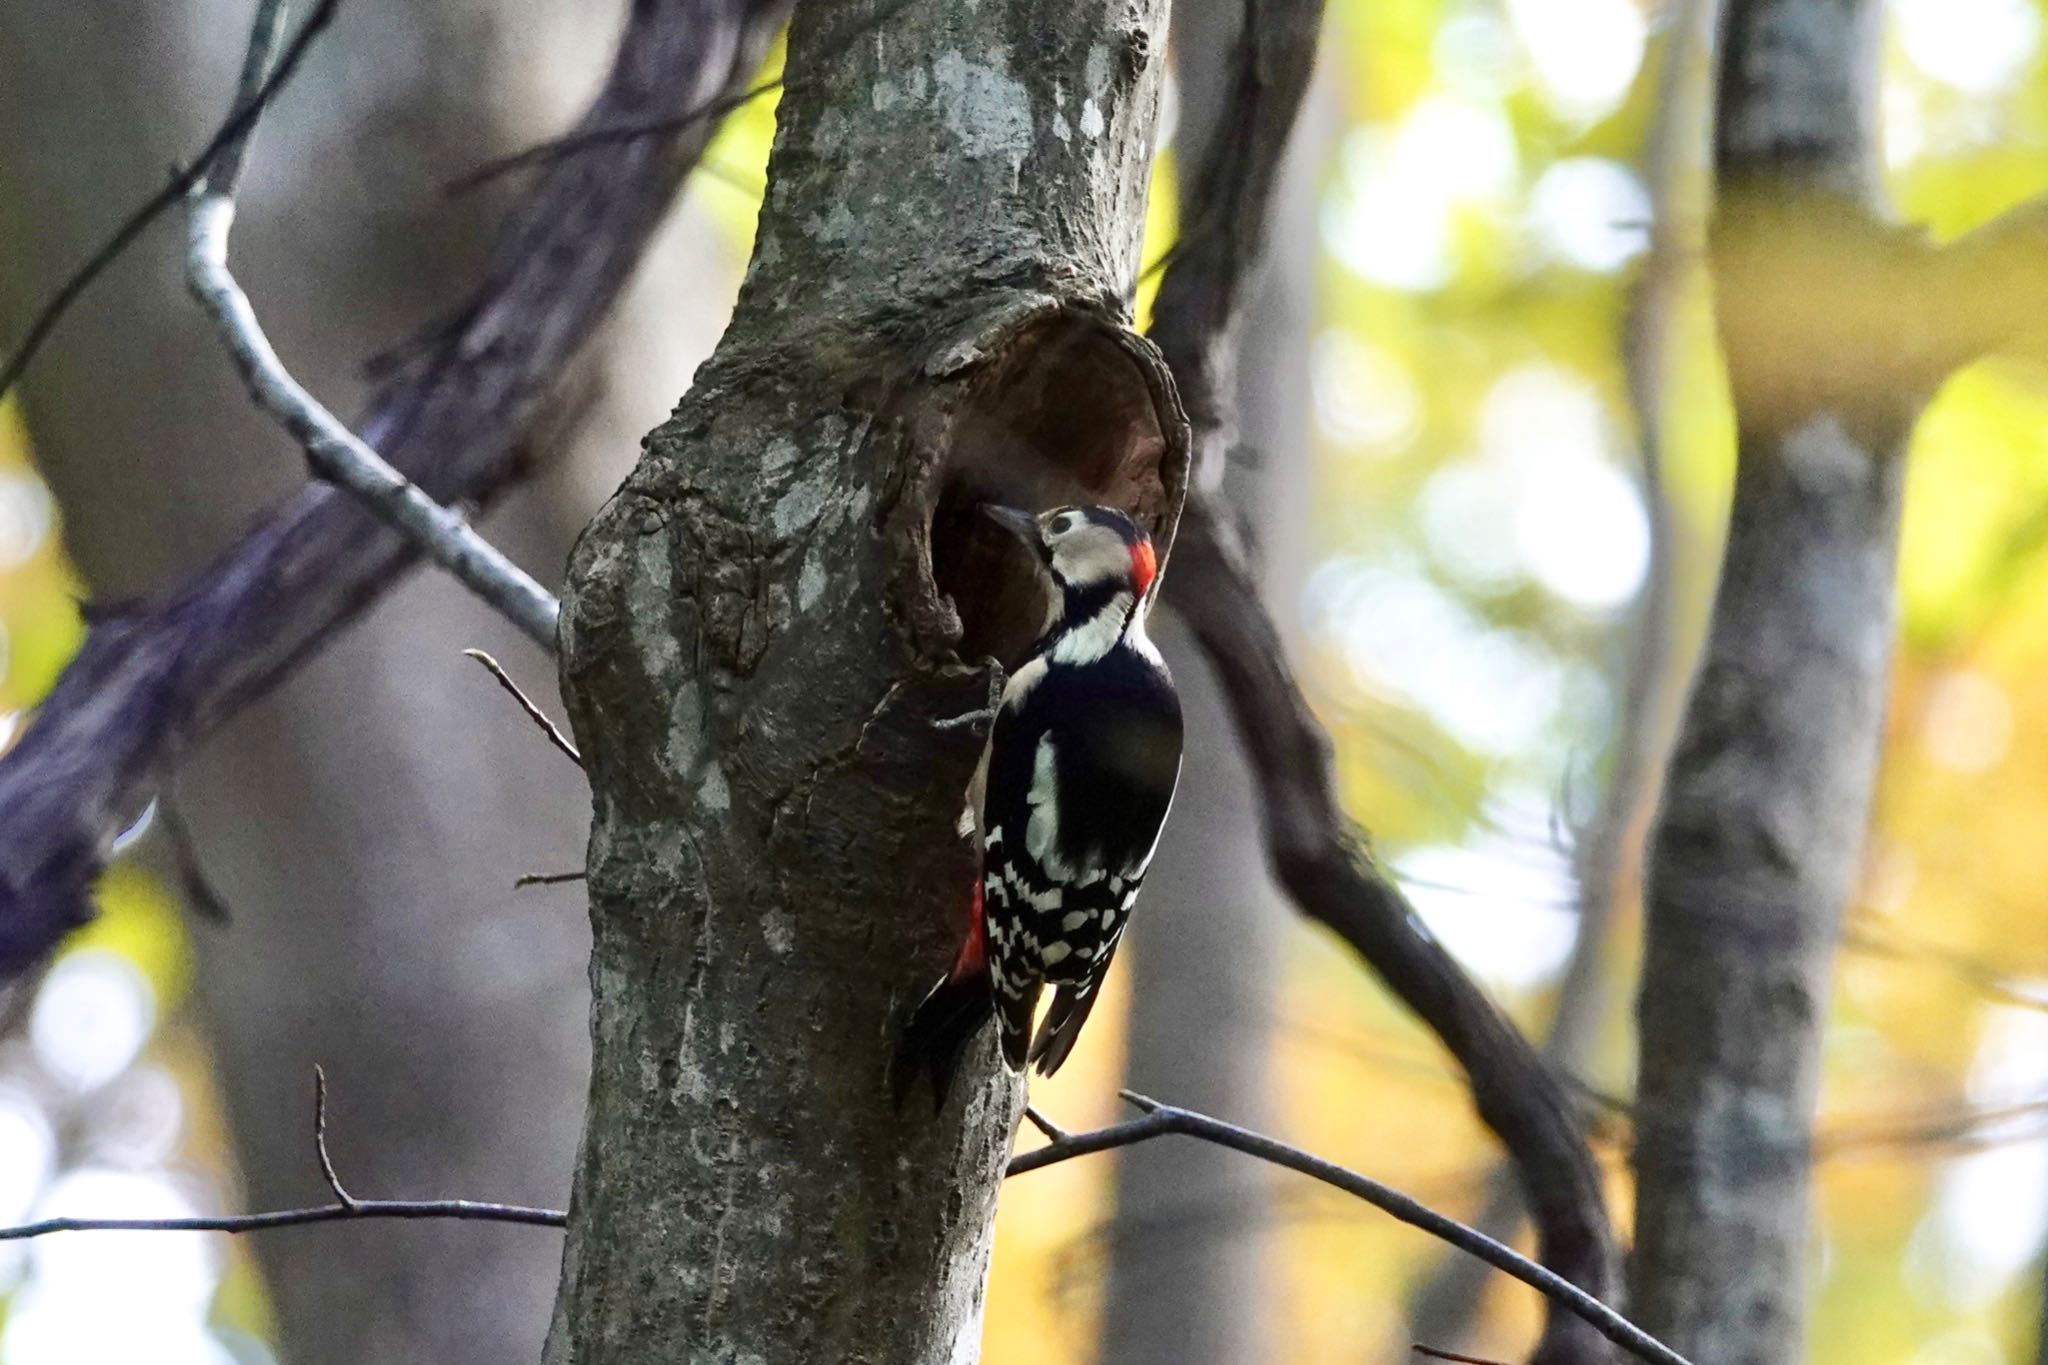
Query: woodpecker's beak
1018, 523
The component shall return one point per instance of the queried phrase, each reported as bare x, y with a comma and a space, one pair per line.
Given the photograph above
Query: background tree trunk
364, 825
1190, 1248
1757, 844
953, 210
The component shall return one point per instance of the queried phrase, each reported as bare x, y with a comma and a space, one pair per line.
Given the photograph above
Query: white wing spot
1041, 832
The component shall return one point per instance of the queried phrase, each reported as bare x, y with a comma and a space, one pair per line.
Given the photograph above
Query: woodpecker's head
1100, 567
1086, 548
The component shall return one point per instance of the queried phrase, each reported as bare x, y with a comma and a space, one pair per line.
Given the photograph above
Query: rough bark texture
365, 825
758, 642
1190, 1268
1756, 847
460, 410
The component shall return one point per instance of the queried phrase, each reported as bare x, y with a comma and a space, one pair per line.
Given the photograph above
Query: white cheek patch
1091, 555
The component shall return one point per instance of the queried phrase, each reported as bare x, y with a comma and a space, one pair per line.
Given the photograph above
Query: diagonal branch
527, 704
1159, 1120
231, 134
1318, 853
1321, 857
333, 451
452, 414
585, 138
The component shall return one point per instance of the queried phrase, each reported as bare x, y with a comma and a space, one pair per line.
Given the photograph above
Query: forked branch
334, 452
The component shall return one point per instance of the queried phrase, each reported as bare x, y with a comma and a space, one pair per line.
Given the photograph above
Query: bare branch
1052, 1131
1155, 1120
224, 175
345, 1208
201, 895
527, 704
341, 1196
586, 139
230, 133
454, 1210
1438, 1353
1159, 1120
549, 879
452, 412
333, 451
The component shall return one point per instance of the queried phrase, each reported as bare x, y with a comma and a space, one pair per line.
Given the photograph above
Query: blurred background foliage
1480, 535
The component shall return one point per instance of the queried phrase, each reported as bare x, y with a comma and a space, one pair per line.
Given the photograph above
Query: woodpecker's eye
1061, 524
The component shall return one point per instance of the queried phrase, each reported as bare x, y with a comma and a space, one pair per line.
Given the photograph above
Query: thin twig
557, 148
232, 131
224, 175
1159, 1120
345, 1208
341, 1196
333, 451
200, 892
454, 1210
548, 879
1439, 1353
1053, 1132
527, 704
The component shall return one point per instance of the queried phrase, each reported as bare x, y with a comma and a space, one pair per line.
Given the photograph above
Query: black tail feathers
938, 1033
1062, 1026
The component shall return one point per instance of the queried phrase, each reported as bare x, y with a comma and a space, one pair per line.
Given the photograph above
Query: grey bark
762, 630
1756, 846
1190, 1252
364, 828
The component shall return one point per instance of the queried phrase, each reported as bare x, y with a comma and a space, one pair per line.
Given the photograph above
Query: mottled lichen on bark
756, 651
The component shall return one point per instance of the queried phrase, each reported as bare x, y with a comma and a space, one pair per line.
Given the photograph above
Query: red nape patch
1144, 565
973, 956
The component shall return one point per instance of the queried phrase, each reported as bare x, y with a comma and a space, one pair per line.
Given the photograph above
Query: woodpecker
1065, 807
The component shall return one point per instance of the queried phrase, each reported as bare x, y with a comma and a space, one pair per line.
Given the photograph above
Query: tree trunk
766, 628
364, 826
1756, 848
1190, 1247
